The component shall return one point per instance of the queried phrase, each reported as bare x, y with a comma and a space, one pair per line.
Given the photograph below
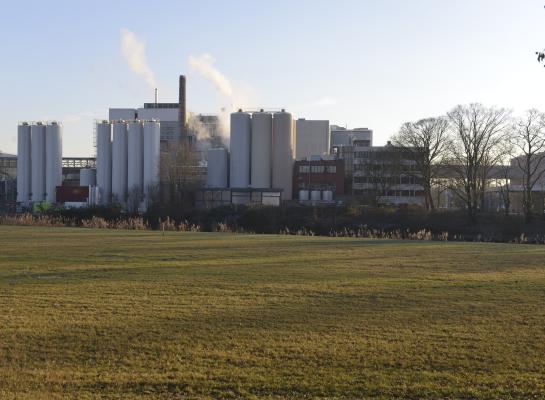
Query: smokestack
182, 107
155, 97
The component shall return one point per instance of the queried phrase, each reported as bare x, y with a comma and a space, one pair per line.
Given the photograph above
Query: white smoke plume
204, 65
134, 51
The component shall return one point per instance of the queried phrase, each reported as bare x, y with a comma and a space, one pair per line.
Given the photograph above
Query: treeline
472, 142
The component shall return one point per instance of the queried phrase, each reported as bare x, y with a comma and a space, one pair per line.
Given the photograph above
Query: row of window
399, 169
318, 169
390, 193
394, 180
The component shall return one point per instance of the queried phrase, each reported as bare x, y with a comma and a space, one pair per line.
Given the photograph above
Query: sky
357, 63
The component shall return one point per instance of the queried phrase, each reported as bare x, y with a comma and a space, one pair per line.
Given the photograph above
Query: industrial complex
267, 157
270, 158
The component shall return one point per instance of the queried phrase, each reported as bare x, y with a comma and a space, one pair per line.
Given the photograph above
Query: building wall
162, 114
319, 175
347, 137
386, 174
122, 113
312, 138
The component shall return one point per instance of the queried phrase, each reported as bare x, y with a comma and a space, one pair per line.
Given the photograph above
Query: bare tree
529, 139
426, 143
178, 180
477, 133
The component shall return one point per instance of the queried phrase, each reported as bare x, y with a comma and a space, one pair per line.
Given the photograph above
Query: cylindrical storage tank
87, 177
37, 146
53, 160
303, 195
217, 168
135, 171
152, 146
104, 162
240, 150
283, 153
261, 155
23, 163
315, 195
327, 195
119, 161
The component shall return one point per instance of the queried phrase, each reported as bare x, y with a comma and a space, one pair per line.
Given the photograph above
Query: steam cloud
134, 51
204, 65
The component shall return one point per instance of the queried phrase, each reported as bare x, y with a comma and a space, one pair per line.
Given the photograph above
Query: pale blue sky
359, 63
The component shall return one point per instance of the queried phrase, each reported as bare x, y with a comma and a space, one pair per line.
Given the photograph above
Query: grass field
126, 314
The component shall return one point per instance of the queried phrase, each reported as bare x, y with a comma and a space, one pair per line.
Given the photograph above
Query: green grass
126, 314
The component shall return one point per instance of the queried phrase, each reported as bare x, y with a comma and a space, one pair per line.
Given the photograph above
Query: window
304, 169
361, 154
317, 169
332, 169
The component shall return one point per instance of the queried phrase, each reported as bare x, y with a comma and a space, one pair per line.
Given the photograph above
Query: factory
266, 158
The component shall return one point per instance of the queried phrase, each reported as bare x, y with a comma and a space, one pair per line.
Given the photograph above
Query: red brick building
319, 175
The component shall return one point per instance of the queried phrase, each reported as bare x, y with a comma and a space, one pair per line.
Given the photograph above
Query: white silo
53, 160
37, 146
261, 155
23, 163
327, 195
240, 149
104, 161
119, 161
87, 177
135, 171
283, 153
217, 168
152, 147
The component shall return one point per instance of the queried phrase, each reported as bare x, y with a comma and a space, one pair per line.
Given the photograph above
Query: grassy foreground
127, 314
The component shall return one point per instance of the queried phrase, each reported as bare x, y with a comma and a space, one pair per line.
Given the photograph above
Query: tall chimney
182, 107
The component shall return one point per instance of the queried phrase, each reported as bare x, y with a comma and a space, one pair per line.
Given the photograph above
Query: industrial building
319, 179
173, 116
386, 175
346, 137
8, 180
312, 138
258, 166
260, 160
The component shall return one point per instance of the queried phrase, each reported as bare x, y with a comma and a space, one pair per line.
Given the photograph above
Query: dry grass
142, 314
